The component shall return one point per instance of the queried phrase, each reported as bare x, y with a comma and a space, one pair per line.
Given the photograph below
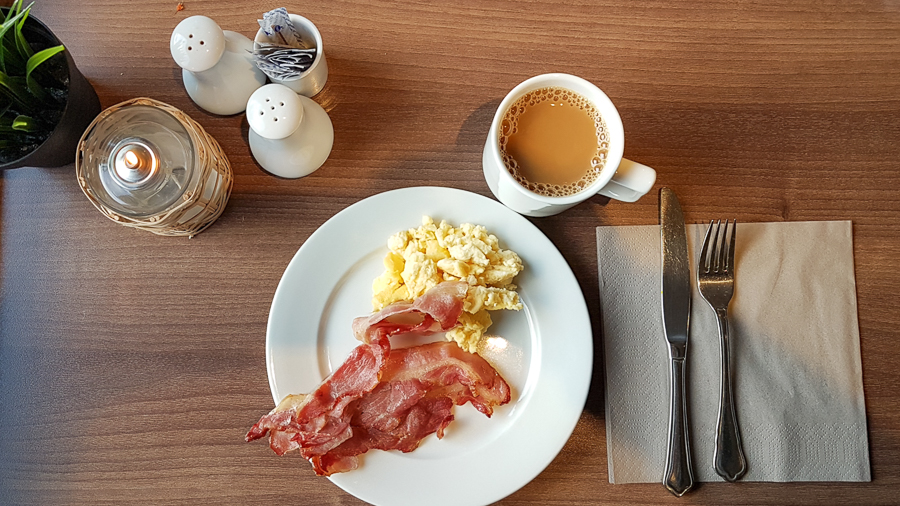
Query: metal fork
715, 278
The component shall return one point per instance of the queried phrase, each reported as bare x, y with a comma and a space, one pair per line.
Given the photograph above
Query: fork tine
704, 259
723, 251
731, 247
715, 262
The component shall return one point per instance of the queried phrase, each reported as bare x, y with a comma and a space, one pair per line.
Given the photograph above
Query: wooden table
131, 365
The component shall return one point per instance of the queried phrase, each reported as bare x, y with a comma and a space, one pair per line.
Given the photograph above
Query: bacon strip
437, 310
319, 421
386, 399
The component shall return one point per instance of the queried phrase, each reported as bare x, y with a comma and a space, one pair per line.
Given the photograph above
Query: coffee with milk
553, 141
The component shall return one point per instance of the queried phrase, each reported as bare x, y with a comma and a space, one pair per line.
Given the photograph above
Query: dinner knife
676, 311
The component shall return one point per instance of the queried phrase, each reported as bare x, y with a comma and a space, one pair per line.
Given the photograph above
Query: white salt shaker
290, 135
217, 67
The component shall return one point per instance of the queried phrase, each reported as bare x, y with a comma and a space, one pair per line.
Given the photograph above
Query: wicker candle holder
148, 165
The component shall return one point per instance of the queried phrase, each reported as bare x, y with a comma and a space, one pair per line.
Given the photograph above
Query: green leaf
6, 123
12, 21
14, 9
33, 63
24, 123
16, 90
7, 25
24, 47
11, 62
40, 57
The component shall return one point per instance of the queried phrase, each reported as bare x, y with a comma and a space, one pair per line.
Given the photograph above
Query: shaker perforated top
197, 43
274, 111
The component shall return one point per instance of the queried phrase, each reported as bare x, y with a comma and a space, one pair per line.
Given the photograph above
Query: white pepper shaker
290, 135
217, 67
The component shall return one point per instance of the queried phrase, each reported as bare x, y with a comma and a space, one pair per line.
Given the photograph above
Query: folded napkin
795, 355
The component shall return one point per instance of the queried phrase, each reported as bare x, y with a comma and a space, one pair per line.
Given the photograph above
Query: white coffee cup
313, 79
619, 179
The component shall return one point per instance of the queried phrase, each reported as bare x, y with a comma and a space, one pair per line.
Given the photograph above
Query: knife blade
676, 311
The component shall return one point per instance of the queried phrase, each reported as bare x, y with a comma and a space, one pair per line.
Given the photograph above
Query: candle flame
131, 159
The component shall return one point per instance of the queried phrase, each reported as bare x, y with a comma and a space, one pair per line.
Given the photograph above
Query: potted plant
45, 102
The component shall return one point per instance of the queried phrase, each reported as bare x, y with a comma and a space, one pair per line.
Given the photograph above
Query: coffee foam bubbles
509, 126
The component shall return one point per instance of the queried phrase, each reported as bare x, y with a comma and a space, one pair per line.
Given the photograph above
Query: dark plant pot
82, 106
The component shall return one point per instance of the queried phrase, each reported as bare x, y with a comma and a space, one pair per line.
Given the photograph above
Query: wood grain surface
131, 365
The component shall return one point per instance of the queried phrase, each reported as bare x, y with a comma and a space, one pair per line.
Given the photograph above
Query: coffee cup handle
631, 181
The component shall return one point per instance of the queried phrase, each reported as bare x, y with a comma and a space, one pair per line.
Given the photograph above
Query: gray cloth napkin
795, 348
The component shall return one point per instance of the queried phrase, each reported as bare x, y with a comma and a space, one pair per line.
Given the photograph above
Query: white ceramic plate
544, 351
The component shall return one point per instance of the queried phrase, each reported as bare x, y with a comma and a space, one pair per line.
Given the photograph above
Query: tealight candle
135, 164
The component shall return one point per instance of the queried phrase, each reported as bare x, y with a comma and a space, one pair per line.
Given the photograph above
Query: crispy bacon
448, 371
437, 310
319, 421
386, 399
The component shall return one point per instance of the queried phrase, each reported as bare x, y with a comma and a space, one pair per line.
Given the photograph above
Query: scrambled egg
420, 258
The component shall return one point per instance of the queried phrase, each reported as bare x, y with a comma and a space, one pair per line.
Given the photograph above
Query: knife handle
679, 477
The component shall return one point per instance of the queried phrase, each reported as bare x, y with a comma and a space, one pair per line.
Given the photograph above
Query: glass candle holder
147, 165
